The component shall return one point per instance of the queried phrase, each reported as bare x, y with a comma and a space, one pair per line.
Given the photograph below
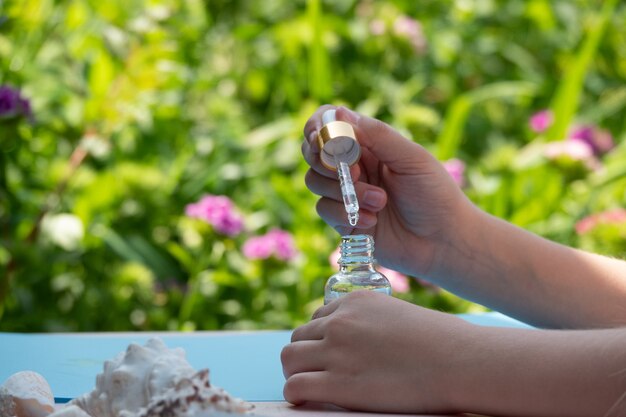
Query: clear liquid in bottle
356, 269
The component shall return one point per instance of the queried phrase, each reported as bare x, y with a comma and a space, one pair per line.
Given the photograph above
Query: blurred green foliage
143, 106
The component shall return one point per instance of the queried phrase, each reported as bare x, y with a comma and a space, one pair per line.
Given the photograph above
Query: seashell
7, 405
143, 381
70, 411
193, 397
130, 380
26, 394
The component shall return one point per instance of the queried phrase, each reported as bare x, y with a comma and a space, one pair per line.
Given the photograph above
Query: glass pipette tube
350, 202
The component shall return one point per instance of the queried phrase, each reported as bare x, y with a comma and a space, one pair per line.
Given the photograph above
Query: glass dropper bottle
356, 269
340, 150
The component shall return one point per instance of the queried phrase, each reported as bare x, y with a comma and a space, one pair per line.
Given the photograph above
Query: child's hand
408, 201
368, 351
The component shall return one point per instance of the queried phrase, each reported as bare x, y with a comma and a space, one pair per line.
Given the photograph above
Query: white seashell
70, 411
7, 405
26, 394
130, 380
143, 381
193, 397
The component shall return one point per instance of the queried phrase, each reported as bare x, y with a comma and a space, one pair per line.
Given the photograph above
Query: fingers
311, 153
314, 124
334, 214
309, 386
303, 356
326, 310
331, 209
310, 146
313, 330
385, 143
370, 197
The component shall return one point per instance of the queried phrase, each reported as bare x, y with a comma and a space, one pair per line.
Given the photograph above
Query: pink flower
219, 211
377, 27
585, 225
615, 216
411, 29
257, 247
573, 149
333, 259
456, 169
541, 121
407, 26
284, 245
276, 242
599, 140
399, 282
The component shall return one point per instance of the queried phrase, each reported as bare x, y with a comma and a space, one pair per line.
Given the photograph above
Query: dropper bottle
356, 269
340, 150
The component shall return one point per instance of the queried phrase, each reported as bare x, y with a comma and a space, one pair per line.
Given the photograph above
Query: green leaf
137, 249
451, 135
567, 98
319, 68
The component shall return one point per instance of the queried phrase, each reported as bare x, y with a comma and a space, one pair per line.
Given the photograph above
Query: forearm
541, 282
518, 372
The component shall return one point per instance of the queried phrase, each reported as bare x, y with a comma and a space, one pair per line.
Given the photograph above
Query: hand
371, 352
409, 203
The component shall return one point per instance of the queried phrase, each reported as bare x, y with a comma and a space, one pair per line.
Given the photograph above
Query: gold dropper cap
337, 138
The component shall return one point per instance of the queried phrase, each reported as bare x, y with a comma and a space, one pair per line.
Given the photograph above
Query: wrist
538, 372
466, 359
480, 380
456, 251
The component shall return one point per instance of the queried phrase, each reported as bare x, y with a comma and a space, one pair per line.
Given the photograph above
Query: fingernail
374, 198
353, 117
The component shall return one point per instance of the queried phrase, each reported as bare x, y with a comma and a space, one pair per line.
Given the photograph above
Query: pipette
350, 202
339, 150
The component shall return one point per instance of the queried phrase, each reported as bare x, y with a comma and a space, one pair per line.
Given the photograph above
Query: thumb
385, 143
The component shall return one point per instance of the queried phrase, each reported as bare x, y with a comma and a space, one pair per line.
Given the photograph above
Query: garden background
150, 167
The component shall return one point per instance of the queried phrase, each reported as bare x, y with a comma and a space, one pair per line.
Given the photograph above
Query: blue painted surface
245, 364
494, 319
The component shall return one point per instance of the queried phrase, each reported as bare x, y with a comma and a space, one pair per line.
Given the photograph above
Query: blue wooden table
246, 364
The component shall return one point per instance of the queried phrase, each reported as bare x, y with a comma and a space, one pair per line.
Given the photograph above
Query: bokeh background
150, 167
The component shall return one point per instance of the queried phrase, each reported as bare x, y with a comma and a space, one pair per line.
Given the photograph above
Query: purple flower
219, 211
276, 242
456, 169
599, 140
12, 104
541, 121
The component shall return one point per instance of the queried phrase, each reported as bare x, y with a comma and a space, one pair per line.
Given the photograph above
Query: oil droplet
353, 218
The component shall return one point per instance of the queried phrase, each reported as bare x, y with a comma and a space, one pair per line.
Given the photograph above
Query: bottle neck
357, 253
